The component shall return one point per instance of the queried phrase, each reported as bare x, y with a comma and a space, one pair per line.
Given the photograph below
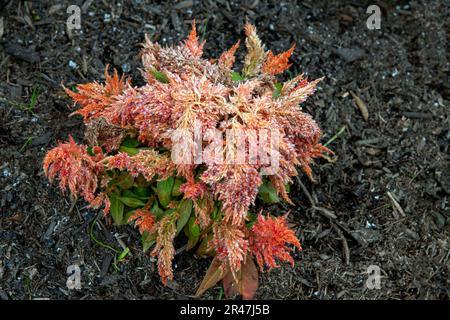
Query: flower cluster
132, 137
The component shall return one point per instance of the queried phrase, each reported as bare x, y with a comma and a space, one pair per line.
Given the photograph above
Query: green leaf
160, 76
164, 191
132, 194
148, 240
142, 192
194, 233
287, 187
127, 215
90, 151
132, 202
130, 143
116, 208
215, 213
204, 250
147, 245
236, 76
129, 151
123, 180
123, 254
268, 194
185, 210
157, 211
176, 187
278, 88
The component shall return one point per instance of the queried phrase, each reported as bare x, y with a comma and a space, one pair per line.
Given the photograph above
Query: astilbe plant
127, 166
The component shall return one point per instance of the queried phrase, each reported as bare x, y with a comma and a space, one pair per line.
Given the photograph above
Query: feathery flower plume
255, 52
74, 167
230, 244
241, 136
164, 248
191, 43
279, 63
95, 97
227, 58
143, 219
148, 163
269, 240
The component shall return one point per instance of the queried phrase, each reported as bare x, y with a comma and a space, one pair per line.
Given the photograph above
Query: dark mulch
400, 72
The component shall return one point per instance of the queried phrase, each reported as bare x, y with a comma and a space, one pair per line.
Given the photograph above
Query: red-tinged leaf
214, 274
244, 283
249, 283
230, 287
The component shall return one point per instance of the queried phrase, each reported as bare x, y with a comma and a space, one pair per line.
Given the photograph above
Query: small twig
341, 131
306, 192
396, 204
72, 205
418, 115
345, 247
325, 212
181, 249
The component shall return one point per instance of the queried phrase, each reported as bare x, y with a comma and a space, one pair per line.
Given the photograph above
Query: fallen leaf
361, 105
245, 281
214, 274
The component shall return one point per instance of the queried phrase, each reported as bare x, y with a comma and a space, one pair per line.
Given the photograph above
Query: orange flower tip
269, 240
249, 29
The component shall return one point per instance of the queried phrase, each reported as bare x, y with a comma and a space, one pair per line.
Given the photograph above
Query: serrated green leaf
132, 202
185, 210
164, 191
116, 208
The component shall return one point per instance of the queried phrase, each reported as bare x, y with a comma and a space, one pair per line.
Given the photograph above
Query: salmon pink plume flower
94, 97
279, 63
74, 167
193, 190
269, 240
192, 44
143, 219
230, 244
164, 248
194, 151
